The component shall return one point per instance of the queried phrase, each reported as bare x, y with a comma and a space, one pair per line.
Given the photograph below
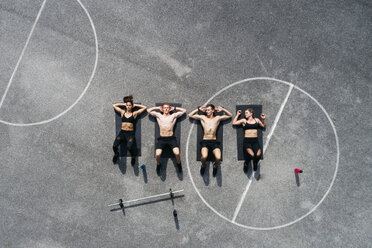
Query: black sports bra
251, 126
125, 119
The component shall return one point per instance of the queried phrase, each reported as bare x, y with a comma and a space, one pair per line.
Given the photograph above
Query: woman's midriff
127, 126
250, 133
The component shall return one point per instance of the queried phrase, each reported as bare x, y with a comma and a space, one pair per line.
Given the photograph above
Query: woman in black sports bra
252, 149
126, 134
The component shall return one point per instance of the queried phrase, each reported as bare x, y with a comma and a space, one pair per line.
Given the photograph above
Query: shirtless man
210, 124
166, 122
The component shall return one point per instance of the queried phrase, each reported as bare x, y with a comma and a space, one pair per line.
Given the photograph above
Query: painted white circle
85, 89
303, 216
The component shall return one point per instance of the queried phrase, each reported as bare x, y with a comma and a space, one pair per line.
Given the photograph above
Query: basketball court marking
263, 152
20, 58
301, 217
22, 53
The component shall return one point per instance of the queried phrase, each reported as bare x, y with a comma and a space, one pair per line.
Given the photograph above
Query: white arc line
85, 89
267, 228
22, 53
237, 210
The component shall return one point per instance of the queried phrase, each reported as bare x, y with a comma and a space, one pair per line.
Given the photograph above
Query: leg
132, 148
157, 155
250, 152
248, 158
116, 144
256, 159
258, 153
204, 155
217, 156
115, 147
176, 152
131, 145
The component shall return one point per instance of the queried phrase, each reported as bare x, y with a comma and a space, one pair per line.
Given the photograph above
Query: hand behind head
203, 109
218, 108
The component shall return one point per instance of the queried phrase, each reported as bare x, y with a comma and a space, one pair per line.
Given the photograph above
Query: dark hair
166, 104
128, 99
210, 105
250, 110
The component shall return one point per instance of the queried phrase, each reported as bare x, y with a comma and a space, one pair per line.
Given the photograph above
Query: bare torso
250, 133
210, 126
127, 126
166, 124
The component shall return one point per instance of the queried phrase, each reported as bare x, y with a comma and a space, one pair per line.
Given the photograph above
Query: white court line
22, 53
237, 210
277, 119
240, 203
267, 228
85, 89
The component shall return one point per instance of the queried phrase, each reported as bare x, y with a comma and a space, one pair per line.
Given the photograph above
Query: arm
140, 111
194, 115
117, 107
263, 123
179, 112
236, 121
152, 111
227, 114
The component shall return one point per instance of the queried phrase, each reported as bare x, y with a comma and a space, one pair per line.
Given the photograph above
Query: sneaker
179, 167
202, 170
257, 176
158, 169
115, 158
214, 170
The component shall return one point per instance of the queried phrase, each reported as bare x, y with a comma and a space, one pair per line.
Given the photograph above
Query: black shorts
210, 144
163, 142
251, 143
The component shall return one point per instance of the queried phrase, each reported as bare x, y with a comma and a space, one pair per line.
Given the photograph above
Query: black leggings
252, 143
128, 138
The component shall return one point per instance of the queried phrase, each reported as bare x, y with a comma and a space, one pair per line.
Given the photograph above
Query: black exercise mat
240, 131
168, 153
200, 132
137, 127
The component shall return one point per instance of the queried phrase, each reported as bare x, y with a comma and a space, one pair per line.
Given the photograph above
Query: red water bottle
298, 170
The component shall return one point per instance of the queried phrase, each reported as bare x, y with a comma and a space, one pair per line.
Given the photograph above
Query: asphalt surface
308, 63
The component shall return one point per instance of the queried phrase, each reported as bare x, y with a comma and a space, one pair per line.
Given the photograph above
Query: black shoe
158, 169
115, 158
133, 161
214, 171
257, 176
202, 170
179, 166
